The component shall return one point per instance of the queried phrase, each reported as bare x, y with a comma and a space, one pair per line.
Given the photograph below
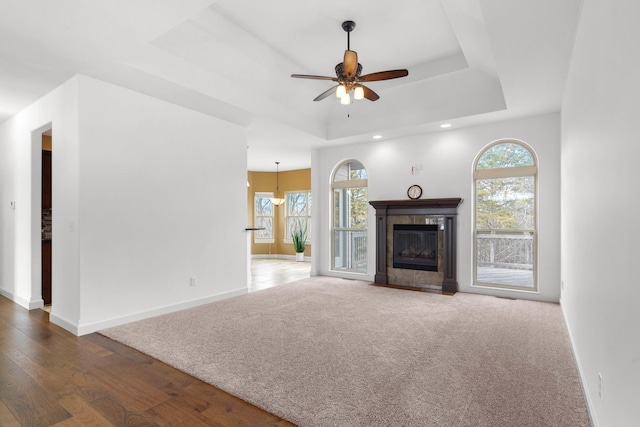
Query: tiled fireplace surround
428, 211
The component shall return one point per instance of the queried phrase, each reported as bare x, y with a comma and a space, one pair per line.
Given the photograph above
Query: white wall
145, 196
447, 158
600, 207
20, 166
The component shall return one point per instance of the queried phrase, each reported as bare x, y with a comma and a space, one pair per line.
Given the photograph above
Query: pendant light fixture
276, 199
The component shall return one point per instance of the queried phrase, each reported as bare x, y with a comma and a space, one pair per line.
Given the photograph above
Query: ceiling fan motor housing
340, 70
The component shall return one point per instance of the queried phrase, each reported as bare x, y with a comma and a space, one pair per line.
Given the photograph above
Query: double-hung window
298, 209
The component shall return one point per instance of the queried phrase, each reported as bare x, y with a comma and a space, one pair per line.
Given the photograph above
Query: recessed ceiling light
377, 136
445, 125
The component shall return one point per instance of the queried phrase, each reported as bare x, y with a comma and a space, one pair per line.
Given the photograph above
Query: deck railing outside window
505, 250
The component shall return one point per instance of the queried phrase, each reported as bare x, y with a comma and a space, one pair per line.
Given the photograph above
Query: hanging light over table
276, 200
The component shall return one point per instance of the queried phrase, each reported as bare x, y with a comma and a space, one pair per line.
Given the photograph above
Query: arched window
349, 217
505, 216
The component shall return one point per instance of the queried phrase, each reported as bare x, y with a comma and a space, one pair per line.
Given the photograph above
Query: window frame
344, 184
506, 172
263, 195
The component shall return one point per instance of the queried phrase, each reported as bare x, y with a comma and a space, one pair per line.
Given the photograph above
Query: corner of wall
64, 324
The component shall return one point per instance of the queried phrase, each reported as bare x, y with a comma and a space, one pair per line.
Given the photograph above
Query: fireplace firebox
415, 246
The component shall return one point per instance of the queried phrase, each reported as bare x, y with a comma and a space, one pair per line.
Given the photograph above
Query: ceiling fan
348, 75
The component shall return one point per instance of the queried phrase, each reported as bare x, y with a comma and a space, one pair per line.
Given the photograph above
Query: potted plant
299, 238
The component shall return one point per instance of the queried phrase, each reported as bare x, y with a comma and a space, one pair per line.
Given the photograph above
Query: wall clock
414, 192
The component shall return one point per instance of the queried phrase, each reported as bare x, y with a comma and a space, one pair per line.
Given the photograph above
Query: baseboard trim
64, 323
276, 256
22, 302
89, 328
34, 305
265, 256
7, 294
583, 381
347, 275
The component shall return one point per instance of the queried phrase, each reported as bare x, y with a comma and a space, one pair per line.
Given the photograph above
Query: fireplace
415, 246
416, 243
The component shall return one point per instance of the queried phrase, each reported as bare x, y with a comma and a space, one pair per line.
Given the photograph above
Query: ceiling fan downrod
348, 26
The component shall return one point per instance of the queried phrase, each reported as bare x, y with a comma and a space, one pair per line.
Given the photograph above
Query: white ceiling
469, 61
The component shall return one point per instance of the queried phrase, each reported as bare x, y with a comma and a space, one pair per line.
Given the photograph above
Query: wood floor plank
90, 346
174, 413
153, 372
84, 415
51, 377
113, 410
234, 416
231, 410
15, 338
46, 372
119, 349
27, 401
130, 388
6, 417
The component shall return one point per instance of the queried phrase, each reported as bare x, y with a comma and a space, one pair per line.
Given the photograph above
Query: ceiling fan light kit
348, 75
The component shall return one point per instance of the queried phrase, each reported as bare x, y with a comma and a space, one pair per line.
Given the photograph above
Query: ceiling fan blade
369, 94
326, 93
384, 75
306, 76
350, 62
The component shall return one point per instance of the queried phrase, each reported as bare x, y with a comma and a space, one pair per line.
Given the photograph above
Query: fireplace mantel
446, 208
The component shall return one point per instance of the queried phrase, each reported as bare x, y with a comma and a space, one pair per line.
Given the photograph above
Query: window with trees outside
298, 209
263, 217
505, 217
349, 217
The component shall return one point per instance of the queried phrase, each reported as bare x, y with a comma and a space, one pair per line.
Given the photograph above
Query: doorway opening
46, 222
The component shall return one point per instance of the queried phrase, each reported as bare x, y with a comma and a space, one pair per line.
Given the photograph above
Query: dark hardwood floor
51, 377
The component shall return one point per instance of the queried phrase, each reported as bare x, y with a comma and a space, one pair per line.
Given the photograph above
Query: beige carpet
335, 352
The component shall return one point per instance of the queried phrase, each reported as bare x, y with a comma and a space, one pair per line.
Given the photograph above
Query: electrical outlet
192, 281
600, 386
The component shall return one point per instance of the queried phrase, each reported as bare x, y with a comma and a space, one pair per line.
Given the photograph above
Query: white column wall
447, 159
20, 166
162, 201
146, 196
